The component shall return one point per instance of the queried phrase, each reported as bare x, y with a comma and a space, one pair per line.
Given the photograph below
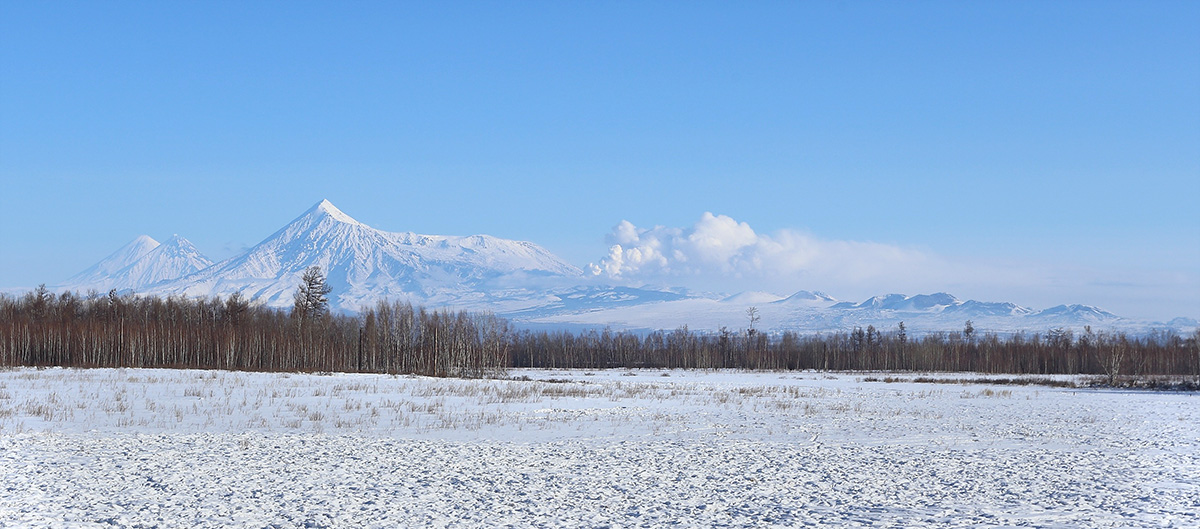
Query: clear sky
1034, 152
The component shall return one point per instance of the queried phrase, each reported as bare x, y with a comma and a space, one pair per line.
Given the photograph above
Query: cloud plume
720, 254
718, 249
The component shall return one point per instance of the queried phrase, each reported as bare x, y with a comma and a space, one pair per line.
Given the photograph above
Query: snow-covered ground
168, 448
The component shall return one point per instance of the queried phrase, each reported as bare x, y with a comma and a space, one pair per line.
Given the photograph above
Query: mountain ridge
140, 265
363, 264
523, 282
105, 268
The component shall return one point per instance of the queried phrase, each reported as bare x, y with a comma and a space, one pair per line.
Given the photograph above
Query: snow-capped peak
144, 241
109, 266
364, 264
920, 302
139, 265
806, 297
516, 279
173, 259
752, 297
179, 246
325, 207
1077, 313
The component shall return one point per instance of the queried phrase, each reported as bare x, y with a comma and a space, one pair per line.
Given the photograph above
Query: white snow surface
172, 448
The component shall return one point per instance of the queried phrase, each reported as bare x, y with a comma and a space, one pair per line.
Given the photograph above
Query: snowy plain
572, 448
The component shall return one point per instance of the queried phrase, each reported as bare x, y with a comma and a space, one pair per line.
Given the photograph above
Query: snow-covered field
167, 448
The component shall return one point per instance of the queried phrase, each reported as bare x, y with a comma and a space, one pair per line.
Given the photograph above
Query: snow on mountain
898, 302
1185, 325
529, 285
170, 260
140, 265
1075, 314
753, 297
808, 298
363, 264
102, 273
978, 309
814, 312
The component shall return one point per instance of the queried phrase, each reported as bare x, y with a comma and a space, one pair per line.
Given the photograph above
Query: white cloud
718, 248
721, 254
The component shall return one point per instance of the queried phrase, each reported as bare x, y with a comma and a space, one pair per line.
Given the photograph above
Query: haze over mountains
527, 284
140, 264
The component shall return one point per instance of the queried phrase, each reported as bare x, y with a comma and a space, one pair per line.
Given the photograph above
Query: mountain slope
140, 265
363, 264
170, 260
102, 274
531, 286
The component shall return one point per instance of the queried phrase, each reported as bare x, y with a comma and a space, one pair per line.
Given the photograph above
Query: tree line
1059, 351
46, 329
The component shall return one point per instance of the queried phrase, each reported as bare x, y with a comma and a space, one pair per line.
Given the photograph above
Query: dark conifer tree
311, 296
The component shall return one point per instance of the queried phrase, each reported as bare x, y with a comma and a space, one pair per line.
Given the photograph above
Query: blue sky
1033, 152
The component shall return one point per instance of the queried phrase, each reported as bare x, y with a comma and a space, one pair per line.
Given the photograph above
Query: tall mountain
140, 265
363, 264
530, 286
102, 273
